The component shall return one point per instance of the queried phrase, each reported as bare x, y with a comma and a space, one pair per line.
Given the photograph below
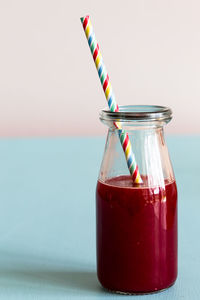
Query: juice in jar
136, 235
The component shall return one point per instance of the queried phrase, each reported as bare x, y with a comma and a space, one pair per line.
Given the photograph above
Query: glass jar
137, 223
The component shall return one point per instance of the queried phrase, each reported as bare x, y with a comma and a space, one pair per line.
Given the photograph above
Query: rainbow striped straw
105, 81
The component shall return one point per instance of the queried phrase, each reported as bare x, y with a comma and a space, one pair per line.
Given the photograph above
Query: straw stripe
108, 91
85, 21
93, 46
135, 173
90, 40
125, 143
112, 107
110, 101
128, 149
100, 70
105, 84
129, 161
122, 136
103, 76
88, 29
98, 60
96, 52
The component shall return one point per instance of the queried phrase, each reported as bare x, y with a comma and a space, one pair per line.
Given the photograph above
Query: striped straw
108, 91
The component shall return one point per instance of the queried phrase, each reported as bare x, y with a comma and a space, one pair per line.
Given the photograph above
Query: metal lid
139, 113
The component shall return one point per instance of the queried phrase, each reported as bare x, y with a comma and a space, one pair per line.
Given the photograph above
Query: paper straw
108, 91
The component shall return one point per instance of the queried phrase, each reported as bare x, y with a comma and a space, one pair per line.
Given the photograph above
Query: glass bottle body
137, 224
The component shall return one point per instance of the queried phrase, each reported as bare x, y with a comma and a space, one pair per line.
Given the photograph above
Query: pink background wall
48, 82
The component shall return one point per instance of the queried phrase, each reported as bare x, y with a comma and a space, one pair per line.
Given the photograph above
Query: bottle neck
137, 126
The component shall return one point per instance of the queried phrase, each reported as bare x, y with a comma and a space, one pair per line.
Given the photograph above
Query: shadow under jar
137, 223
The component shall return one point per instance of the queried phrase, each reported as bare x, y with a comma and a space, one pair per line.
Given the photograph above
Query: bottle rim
139, 113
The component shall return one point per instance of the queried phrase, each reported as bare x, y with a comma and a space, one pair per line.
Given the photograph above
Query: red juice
136, 235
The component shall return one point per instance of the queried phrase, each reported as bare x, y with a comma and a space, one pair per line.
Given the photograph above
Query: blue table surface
47, 218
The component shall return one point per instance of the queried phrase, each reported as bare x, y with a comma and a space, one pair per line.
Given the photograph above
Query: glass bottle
137, 223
